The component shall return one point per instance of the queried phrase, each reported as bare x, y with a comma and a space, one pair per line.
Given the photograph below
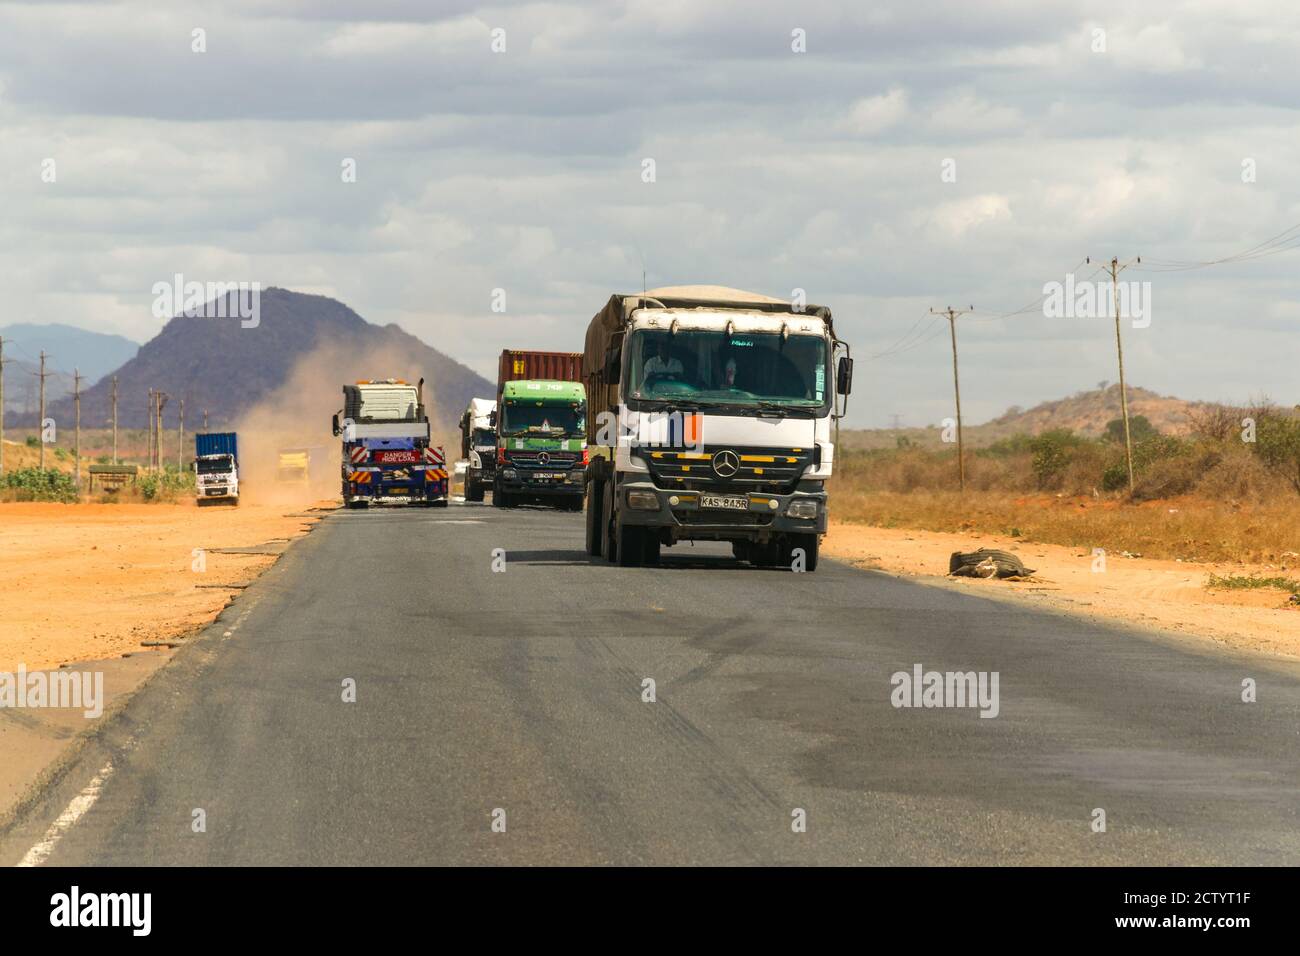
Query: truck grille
558, 460
771, 470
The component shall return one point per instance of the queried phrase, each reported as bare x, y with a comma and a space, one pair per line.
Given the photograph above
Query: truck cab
216, 467
387, 456
716, 411
478, 446
541, 443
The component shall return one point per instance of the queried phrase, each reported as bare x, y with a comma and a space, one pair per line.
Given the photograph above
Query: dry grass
1187, 527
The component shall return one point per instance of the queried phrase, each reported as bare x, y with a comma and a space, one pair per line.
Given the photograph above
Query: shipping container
538, 366
215, 443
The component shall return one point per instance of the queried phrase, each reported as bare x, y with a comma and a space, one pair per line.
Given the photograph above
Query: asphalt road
522, 691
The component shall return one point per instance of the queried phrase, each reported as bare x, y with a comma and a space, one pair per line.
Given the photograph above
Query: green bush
1277, 443
33, 484
33, 441
165, 486
1051, 454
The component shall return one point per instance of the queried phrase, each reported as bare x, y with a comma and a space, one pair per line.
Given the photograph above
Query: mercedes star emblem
726, 464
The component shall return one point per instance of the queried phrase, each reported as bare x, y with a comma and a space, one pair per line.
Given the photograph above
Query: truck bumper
543, 489
682, 515
421, 484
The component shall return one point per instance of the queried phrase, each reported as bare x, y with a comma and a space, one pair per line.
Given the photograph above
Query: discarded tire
987, 563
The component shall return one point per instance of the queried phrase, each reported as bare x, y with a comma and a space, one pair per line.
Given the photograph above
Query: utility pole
162, 400
42, 421
952, 314
205, 419
76, 434
149, 447
180, 437
114, 400
1115, 270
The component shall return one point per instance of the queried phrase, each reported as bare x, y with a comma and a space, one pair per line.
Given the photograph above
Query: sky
886, 158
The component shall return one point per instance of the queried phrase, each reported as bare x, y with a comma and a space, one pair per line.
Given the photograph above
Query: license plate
543, 475
719, 501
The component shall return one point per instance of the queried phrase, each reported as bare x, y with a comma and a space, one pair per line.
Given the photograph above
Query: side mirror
335, 422
844, 376
492, 418
613, 364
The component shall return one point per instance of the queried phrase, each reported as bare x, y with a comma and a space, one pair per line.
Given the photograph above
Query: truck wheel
498, 496
650, 547
608, 541
630, 546
594, 511
810, 543
438, 503
473, 491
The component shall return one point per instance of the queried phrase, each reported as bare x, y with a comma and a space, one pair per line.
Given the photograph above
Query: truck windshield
484, 436
212, 466
532, 418
741, 368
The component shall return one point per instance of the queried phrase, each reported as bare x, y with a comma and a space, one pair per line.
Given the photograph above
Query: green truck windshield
734, 369
530, 418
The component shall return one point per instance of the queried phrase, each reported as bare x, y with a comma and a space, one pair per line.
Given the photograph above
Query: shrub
1051, 451
35, 484
165, 486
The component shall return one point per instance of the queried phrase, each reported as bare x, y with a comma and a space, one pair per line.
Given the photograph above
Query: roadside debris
987, 563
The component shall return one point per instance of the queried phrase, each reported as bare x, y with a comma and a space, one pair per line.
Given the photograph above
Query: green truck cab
541, 444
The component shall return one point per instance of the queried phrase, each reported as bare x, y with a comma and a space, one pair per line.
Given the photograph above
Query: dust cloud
296, 417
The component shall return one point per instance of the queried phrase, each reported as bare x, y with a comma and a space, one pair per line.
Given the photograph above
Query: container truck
478, 446
387, 456
216, 467
541, 439
711, 418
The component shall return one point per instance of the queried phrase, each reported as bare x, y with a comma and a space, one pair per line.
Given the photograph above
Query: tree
1139, 427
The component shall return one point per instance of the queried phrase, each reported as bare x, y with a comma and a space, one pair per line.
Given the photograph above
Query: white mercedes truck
711, 415
478, 446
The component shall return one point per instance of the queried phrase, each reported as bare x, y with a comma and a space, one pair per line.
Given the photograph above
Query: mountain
68, 348
297, 358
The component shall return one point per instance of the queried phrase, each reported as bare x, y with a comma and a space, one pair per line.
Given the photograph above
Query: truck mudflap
726, 515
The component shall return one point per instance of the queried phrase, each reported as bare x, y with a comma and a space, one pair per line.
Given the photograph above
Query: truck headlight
508, 474
802, 508
643, 501
575, 477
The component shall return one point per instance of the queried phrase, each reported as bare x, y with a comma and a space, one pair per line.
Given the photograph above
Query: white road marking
74, 812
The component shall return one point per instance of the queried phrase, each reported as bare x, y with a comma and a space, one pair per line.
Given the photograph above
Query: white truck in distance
478, 446
710, 418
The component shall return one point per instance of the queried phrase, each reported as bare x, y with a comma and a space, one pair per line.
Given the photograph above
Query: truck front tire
595, 508
473, 491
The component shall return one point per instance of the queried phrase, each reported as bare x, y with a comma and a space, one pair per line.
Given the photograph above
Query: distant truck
216, 467
478, 446
712, 415
387, 456
541, 429
294, 466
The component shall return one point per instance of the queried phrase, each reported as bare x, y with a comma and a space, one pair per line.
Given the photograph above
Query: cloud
776, 170
873, 114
